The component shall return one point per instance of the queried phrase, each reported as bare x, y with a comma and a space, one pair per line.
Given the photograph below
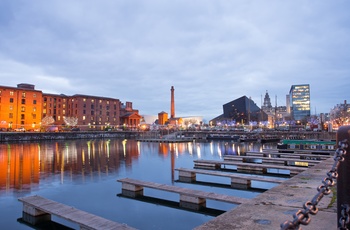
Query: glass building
300, 101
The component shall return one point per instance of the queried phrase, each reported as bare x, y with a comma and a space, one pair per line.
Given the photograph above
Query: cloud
211, 52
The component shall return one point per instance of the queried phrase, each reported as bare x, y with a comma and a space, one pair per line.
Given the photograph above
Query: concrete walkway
277, 205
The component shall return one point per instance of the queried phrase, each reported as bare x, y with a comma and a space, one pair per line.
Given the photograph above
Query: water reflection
23, 165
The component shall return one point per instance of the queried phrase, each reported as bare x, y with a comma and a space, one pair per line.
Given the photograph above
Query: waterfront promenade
278, 204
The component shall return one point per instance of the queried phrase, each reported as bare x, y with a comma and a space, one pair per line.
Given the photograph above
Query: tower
172, 106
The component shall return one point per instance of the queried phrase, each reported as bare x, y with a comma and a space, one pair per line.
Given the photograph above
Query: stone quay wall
35, 136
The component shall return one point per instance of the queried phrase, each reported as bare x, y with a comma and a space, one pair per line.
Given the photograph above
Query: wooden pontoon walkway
195, 197
37, 206
247, 167
272, 160
298, 155
237, 181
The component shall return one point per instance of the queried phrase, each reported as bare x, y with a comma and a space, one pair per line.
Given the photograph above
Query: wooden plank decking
272, 160
237, 181
37, 206
230, 175
247, 167
301, 155
184, 192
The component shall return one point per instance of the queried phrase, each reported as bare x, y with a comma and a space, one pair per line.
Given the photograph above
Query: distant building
240, 111
162, 118
277, 115
300, 102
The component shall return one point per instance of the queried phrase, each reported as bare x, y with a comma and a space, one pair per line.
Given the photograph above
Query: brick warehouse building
25, 107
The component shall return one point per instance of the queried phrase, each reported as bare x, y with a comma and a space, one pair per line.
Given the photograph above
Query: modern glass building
300, 101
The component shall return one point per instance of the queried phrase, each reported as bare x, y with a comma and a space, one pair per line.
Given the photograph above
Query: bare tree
48, 120
70, 121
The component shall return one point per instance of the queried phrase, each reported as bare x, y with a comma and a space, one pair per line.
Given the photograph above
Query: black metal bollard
343, 180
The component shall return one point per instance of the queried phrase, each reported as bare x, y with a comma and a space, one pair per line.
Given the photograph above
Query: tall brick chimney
172, 106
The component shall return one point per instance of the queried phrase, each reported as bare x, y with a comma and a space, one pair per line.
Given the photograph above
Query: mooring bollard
343, 180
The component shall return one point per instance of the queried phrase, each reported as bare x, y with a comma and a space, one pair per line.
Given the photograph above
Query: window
11, 100
22, 116
23, 101
11, 93
34, 109
23, 109
34, 95
34, 116
84, 118
34, 102
10, 115
92, 112
23, 94
11, 107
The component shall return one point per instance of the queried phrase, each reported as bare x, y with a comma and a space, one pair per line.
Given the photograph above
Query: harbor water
84, 174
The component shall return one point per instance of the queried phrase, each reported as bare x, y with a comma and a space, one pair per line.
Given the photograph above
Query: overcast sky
212, 52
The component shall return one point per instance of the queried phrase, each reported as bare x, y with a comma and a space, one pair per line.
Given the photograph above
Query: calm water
83, 174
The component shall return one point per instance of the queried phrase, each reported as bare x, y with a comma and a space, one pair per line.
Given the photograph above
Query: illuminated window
84, 118
23, 109
11, 93
23, 94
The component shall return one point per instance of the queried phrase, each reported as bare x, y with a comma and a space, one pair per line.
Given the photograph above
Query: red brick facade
31, 109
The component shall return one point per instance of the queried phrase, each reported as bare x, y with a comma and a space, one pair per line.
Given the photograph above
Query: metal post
343, 180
